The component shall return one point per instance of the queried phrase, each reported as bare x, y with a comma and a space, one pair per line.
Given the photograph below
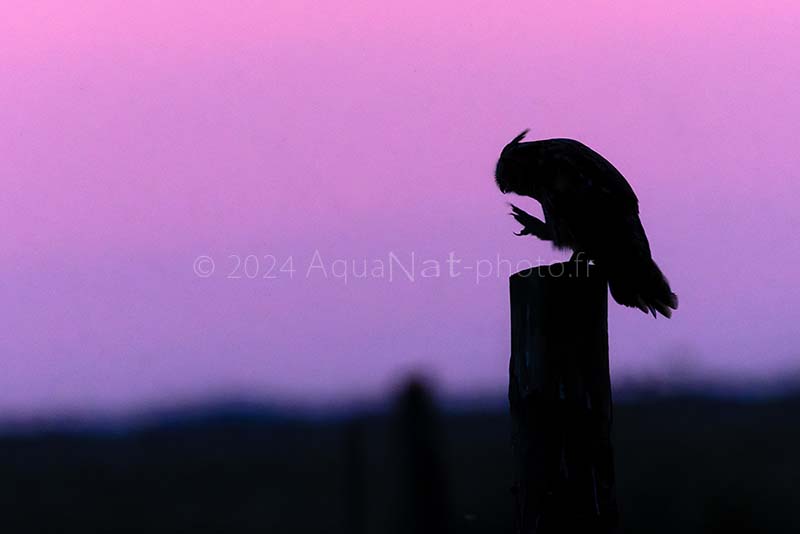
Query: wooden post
560, 398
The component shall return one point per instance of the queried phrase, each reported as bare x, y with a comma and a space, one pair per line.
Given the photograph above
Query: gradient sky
135, 137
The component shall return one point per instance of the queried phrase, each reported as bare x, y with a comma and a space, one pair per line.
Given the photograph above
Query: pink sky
135, 139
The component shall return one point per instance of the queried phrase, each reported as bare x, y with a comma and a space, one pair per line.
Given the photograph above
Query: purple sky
135, 139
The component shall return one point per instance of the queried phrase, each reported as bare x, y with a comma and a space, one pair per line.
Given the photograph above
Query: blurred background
231, 233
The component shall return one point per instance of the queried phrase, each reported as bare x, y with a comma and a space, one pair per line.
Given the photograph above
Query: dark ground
685, 464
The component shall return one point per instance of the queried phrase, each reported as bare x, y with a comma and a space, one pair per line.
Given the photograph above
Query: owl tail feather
642, 285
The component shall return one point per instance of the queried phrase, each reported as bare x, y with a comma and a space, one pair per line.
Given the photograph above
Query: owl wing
591, 200
580, 178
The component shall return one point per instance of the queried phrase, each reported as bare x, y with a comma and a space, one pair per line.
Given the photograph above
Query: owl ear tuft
520, 137
509, 148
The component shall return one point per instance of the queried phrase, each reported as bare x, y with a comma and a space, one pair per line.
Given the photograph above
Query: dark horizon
689, 464
264, 408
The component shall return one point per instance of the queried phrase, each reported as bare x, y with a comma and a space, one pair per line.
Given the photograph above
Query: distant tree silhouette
424, 473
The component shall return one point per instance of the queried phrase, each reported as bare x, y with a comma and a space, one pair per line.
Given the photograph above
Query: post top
565, 269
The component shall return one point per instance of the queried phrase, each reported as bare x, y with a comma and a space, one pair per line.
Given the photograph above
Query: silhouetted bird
589, 208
